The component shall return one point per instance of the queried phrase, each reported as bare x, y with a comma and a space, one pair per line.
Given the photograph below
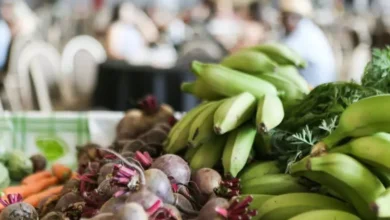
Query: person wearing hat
308, 40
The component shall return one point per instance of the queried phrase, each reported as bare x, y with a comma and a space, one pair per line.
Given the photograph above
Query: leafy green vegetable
52, 148
377, 71
4, 177
315, 117
19, 165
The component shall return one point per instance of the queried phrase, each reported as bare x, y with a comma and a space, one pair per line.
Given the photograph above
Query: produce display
261, 145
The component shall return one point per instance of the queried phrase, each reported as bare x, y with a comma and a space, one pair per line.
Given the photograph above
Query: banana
263, 145
249, 61
202, 128
373, 150
200, 90
228, 82
291, 74
291, 94
258, 169
381, 205
233, 112
178, 136
281, 54
325, 215
237, 149
257, 202
272, 184
382, 174
190, 153
208, 155
346, 176
270, 113
289, 205
362, 118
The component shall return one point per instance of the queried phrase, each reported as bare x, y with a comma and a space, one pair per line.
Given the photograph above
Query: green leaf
51, 147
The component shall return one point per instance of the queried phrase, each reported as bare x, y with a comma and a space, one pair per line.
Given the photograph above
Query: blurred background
107, 54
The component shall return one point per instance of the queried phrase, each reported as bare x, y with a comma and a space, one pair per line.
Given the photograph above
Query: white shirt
310, 42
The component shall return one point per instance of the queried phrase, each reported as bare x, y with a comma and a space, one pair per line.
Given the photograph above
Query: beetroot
106, 190
132, 211
103, 216
39, 162
15, 209
68, 199
168, 212
220, 208
157, 182
173, 166
208, 211
184, 204
147, 199
155, 135
205, 180
105, 171
114, 204
53, 216
72, 185
133, 146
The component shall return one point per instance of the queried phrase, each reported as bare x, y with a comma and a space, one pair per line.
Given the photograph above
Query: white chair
84, 48
35, 56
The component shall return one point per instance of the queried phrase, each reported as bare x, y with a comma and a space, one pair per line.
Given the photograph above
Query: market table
120, 85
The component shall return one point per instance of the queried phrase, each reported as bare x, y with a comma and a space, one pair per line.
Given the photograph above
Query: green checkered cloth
54, 135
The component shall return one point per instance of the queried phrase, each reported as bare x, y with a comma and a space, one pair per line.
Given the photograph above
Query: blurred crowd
334, 36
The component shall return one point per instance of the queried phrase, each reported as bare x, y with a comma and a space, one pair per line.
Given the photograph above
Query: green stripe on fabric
23, 130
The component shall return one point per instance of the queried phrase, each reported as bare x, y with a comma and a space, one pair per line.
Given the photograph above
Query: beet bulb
132, 211
114, 204
157, 182
68, 199
147, 199
220, 208
15, 209
105, 171
173, 166
204, 182
53, 216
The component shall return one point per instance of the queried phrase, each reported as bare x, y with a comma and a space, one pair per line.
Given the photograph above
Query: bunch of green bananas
252, 85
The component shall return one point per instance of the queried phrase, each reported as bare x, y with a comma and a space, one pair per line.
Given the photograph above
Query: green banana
237, 149
202, 128
208, 155
257, 202
291, 94
200, 90
382, 174
381, 205
263, 145
289, 205
233, 112
230, 82
291, 74
281, 54
272, 184
325, 215
258, 169
346, 176
249, 61
178, 136
270, 113
373, 150
362, 118
190, 153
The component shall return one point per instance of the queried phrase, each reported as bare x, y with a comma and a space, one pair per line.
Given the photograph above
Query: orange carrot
75, 176
36, 198
33, 178
62, 172
28, 190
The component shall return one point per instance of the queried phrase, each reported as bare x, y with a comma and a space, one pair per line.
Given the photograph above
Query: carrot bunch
38, 186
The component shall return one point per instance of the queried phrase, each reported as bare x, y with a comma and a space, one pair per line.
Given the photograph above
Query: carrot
36, 198
62, 172
28, 190
75, 176
33, 178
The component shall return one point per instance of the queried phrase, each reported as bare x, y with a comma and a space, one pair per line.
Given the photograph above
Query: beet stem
137, 168
221, 211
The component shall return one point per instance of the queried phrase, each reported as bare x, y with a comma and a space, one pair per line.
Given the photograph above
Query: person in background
5, 41
223, 23
308, 40
254, 31
124, 40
